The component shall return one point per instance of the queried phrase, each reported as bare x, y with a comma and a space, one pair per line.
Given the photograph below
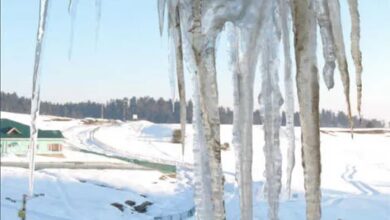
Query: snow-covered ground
355, 175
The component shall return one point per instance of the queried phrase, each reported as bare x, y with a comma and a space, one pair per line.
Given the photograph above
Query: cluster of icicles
256, 30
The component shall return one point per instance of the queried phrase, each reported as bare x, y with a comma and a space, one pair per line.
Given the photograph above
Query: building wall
20, 146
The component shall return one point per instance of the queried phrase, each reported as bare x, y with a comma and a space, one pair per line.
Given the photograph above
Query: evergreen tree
158, 111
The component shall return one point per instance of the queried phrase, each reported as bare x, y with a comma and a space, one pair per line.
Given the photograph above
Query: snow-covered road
86, 139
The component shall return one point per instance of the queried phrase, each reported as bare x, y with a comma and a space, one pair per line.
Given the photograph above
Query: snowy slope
355, 175
88, 194
44, 122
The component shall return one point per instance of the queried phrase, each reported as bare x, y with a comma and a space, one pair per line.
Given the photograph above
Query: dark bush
176, 136
129, 202
118, 206
143, 207
225, 146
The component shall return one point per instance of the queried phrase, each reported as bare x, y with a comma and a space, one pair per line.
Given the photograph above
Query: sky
129, 58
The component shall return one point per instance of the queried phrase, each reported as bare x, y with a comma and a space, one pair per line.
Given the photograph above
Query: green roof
13, 129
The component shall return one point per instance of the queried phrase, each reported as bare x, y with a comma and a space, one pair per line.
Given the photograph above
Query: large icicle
35, 98
271, 100
175, 37
190, 20
284, 11
308, 95
334, 12
203, 45
72, 10
202, 176
233, 46
322, 12
181, 81
210, 121
205, 57
244, 50
172, 42
243, 79
355, 49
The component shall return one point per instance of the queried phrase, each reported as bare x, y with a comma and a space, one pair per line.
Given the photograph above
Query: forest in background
157, 111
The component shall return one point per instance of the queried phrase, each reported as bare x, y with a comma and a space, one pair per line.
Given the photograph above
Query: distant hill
155, 110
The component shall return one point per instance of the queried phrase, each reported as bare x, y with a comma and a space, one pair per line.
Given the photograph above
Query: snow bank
157, 132
44, 122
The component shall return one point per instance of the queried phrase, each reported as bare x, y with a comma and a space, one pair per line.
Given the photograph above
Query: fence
177, 216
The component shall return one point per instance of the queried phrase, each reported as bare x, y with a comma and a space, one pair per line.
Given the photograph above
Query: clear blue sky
131, 57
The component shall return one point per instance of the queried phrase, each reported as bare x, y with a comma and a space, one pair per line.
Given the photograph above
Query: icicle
203, 186
308, 95
243, 38
355, 49
284, 11
323, 18
72, 10
203, 46
233, 47
35, 98
172, 70
175, 34
243, 79
98, 7
210, 122
172, 43
161, 14
271, 100
202, 174
70, 6
334, 12
201, 163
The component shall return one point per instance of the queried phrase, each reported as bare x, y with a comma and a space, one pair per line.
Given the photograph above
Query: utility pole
125, 104
102, 111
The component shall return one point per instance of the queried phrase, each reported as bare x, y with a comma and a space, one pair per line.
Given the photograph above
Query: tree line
157, 110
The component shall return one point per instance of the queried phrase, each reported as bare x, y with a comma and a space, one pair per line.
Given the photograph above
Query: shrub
176, 136
225, 146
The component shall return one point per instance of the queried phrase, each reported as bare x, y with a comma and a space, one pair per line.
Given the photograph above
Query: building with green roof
15, 139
